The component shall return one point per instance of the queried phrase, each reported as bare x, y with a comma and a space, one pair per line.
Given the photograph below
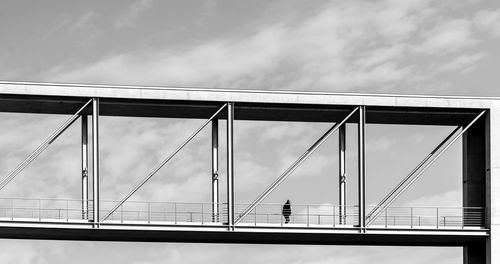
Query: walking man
287, 211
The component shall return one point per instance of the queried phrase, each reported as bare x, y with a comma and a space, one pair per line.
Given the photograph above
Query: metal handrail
321, 215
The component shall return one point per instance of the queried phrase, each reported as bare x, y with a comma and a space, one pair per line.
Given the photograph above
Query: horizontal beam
265, 111
249, 235
241, 96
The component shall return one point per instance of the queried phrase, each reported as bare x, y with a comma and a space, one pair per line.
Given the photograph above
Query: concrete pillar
493, 187
474, 165
474, 146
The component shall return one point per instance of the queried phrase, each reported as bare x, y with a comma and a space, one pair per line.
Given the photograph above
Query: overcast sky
399, 46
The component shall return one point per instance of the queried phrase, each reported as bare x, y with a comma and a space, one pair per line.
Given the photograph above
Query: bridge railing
42, 209
302, 215
431, 217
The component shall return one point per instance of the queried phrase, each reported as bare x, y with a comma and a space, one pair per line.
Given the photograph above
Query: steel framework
475, 120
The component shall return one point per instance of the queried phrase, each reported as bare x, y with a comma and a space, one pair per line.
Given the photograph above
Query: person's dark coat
287, 211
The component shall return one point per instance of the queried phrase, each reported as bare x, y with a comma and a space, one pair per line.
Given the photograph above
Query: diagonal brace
159, 166
396, 192
42, 147
412, 173
294, 166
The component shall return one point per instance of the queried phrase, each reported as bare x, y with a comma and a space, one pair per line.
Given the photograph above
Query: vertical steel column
230, 168
342, 174
95, 160
215, 170
361, 168
85, 168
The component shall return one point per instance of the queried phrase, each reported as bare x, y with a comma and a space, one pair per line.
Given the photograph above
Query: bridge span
475, 225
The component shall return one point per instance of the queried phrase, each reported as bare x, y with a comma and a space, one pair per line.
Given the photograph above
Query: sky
399, 46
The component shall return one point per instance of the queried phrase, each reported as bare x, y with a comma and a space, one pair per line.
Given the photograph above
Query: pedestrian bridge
474, 121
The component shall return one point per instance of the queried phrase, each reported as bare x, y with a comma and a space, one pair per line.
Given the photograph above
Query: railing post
437, 217
307, 215
255, 217
333, 216
463, 217
175, 213
411, 217
39, 210
149, 212
385, 217
281, 219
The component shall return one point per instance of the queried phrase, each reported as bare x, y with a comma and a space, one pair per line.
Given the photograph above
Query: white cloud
462, 64
321, 51
380, 144
489, 20
447, 37
129, 17
82, 23
350, 45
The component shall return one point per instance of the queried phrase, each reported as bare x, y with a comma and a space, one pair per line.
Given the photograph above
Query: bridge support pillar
474, 148
493, 186
342, 175
95, 160
215, 170
230, 167
85, 168
361, 168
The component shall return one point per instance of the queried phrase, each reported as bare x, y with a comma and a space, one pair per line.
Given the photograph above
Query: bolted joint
342, 179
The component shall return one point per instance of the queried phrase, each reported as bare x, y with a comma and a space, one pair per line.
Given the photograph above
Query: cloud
81, 24
447, 198
463, 63
489, 20
82, 29
380, 144
320, 51
447, 37
355, 45
23, 251
129, 17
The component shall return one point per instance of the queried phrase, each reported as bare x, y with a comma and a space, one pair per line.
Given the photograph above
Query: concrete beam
244, 96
